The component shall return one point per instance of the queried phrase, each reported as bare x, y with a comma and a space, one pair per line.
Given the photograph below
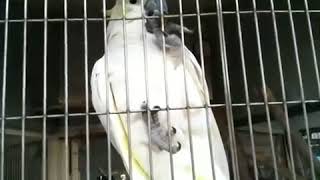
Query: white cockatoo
164, 91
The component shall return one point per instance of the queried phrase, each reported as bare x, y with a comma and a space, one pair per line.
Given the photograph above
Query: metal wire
66, 95
227, 92
164, 109
44, 101
106, 70
4, 84
85, 24
314, 54
264, 91
146, 75
125, 41
246, 91
24, 77
297, 59
283, 92
206, 96
162, 16
165, 16
165, 73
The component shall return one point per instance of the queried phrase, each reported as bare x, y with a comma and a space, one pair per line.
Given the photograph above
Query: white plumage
157, 97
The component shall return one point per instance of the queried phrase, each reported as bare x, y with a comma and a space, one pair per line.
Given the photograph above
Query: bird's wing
220, 160
117, 122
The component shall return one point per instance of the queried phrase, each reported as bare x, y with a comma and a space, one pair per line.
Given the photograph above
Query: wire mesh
260, 50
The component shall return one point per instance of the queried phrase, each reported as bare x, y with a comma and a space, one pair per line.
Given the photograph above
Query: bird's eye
133, 1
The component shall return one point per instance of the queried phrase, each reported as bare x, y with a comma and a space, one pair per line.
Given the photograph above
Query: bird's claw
160, 136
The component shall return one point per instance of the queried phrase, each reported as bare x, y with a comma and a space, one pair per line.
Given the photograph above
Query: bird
135, 78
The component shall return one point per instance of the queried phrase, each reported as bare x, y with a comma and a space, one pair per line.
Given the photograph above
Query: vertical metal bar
227, 92
186, 92
66, 96
186, 88
283, 92
314, 55
44, 125
246, 91
166, 89
201, 48
106, 70
146, 76
24, 74
86, 88
297, 59
4, 84
125, 41
264, 89
206, 95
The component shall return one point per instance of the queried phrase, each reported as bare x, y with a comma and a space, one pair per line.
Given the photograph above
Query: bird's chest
136, 79
165, 85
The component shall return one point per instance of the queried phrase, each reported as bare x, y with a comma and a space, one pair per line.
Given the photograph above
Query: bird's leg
160, 134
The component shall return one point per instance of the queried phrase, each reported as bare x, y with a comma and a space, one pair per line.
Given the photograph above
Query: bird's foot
170, 33
171, 38
164, 138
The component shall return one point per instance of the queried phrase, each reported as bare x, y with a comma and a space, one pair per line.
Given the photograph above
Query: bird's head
135, 8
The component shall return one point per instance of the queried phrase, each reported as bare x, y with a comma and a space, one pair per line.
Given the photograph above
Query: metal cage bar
283, 92
125, 40
203, 81
264, 91
66, 93
314, 54
44, 101
186, 93
245, 81
146, 81
165, 73
85, 27
219, 14
106, 70
305, 116
57, 115
165, 16
227, 92
4, 84
24, 84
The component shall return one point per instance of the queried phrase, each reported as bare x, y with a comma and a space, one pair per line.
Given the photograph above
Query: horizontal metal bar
77, 130
59, 115
18, 132
102, 19
269, 11
81, 19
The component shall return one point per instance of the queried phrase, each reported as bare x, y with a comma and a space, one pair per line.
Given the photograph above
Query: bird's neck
128, 11
132, 30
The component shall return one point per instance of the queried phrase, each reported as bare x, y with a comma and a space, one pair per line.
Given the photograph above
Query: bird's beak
151, 6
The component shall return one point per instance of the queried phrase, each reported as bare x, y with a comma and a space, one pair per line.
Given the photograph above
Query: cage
260, 61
